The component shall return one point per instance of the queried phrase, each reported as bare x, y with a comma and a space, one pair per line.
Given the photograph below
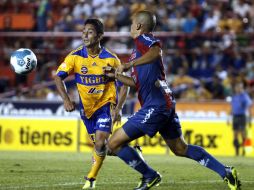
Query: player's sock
204, 158
96, 165
132, 158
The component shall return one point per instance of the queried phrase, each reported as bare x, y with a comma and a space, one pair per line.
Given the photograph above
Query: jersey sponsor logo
133, 55
133, 75
163, 84
90, 80
148, 115
95, 91
84, 70
103, 120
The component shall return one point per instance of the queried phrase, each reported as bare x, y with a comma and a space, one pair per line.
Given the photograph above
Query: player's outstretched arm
117, 112
68, 104
124, 79
153, 53
117, 74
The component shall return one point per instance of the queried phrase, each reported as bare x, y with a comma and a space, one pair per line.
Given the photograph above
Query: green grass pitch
34, 171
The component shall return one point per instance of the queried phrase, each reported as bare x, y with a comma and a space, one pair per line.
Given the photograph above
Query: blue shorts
100, 120
151, 120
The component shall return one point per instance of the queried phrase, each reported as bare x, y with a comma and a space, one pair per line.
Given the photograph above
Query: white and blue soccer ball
23, 61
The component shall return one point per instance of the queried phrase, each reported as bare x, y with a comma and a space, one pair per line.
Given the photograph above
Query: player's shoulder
80, 51
106, 53
148, 37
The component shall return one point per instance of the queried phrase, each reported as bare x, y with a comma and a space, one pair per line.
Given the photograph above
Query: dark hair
97, 25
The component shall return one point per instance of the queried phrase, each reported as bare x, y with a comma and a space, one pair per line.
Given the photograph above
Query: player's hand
117, 116
69, 106
124, 67
109, 71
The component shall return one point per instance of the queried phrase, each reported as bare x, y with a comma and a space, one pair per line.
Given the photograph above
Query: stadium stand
212, 41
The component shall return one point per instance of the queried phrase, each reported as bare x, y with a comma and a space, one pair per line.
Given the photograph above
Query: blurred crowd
208, 48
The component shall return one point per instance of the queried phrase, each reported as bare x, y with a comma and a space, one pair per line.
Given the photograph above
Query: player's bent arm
117, 112
124, 79
68, 104
61, 88
124, 91
153, 53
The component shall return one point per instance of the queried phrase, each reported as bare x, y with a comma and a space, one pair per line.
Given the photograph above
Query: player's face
90, 36
239, 88
134, 27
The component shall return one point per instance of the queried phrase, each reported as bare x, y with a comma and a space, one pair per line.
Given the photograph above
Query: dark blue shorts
100, 120
239, 122
151, 120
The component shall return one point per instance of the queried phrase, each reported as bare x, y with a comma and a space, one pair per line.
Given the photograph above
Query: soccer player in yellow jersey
97, 93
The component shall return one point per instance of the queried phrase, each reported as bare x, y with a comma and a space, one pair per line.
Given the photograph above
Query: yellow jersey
95, 90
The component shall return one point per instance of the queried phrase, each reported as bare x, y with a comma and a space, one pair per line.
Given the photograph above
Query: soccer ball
23, 61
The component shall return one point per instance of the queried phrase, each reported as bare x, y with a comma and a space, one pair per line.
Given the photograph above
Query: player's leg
236, 142
243, 133
197, 153
173, 137
101, 123
118, 144
98, 157
236, 133
89, 124
243, 138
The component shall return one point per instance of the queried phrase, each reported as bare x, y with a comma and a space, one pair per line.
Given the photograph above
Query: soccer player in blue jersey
157, 113
97, 93
240, 106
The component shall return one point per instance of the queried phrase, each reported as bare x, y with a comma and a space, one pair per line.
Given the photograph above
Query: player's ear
139, 26
100, 36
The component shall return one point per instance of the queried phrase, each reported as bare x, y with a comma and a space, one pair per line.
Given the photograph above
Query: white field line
117, 182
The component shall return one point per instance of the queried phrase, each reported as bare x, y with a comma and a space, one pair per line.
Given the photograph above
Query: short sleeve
66, 67
145, 42
149, 41
248, 100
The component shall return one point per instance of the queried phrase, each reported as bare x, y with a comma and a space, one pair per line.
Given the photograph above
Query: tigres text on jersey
95, 90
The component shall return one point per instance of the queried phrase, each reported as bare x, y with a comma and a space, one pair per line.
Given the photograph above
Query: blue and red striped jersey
146, 75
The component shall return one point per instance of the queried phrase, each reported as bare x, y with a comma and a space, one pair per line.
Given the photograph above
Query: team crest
84, 70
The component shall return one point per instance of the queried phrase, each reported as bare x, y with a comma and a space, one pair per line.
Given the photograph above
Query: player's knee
180, 150
236, 143
112, 147
109, 151
100, 148
101, 151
